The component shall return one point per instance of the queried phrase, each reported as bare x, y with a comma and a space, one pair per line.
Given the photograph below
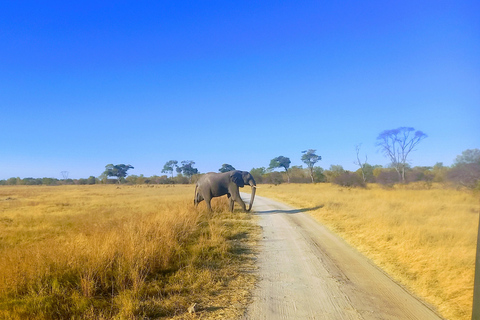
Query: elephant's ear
237, 178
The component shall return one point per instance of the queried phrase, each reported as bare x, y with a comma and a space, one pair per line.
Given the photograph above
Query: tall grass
424, 238
102, 252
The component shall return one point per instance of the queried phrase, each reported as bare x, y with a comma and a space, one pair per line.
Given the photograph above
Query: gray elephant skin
218, 184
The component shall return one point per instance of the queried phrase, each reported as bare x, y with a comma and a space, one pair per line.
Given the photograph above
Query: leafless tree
396, 145
65, 175
359, 162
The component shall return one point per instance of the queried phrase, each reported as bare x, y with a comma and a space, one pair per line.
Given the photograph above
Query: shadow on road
293, 211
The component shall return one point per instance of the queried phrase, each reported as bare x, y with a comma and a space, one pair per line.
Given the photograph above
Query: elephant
218, 184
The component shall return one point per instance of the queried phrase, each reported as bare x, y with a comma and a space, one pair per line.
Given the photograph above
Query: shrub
467, 175
349, 179
387, 178
258, 173
275, 178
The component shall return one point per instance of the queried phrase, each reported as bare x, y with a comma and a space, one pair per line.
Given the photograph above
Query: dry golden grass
102, 252
424, 238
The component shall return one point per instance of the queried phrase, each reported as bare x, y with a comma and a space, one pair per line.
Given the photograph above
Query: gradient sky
88, 83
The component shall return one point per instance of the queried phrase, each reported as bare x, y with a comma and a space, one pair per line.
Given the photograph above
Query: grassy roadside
103, 252
424, 238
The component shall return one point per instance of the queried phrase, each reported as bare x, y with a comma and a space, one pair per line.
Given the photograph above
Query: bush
275, 178
333, 173
299, 175
180, 179
318, 174
349, 179
258, 173
467, 175
388, 178
419, 174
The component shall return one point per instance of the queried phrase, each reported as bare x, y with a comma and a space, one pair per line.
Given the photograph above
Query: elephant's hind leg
209, 206
198, 199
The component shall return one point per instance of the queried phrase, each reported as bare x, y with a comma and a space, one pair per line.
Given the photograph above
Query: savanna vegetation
464, 173
120, 252
128, 252
140, 249
425, 238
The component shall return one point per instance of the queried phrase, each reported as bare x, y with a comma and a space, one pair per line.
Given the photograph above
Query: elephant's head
243, 178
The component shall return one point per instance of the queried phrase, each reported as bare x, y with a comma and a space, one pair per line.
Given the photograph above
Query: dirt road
306, 272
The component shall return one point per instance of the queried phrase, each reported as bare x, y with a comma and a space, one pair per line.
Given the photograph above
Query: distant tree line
395, 144
49, 181
118, 174
464, 172
467, 175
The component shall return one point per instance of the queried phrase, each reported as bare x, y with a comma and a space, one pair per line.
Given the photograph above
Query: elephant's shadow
292, 211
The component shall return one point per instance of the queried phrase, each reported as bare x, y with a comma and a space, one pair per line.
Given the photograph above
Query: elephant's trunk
254, 188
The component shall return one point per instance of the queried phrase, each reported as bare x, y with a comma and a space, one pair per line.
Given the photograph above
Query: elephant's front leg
236, 197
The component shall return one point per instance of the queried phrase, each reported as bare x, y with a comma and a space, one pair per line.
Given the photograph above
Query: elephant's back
208, 179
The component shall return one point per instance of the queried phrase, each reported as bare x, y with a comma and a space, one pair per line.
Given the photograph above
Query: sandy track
306, 272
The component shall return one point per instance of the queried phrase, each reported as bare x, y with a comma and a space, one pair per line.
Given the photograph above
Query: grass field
103, 252
424, 238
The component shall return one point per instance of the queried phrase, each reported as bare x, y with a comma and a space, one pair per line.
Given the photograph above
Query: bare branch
397, 144
359, 163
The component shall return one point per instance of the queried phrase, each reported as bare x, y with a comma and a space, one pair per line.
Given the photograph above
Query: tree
397, 144
187, 169
280, 162
226, 168
310, 158
274, 177
439, 172
64, 175
367, 172
169, 166
333, 172
468, 156
12, 181
119, 171
258, 174
319, 174
360, 164
466, 169
298, 174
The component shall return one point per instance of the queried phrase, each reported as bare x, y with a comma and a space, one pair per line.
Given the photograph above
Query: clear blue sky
88, 83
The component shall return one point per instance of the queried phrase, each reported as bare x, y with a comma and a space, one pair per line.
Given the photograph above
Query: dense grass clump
423, 236
102, 252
